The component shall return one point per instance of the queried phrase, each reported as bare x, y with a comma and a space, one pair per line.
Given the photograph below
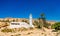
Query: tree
44, 23
43, 18
42, 15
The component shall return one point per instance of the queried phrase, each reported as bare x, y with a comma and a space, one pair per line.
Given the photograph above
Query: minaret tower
30, 21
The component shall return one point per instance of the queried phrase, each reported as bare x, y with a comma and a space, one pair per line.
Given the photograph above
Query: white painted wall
21, 24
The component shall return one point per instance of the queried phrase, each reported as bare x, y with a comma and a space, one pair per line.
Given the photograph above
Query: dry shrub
7, 30
31, 28
28, 33
16, 35
23, 29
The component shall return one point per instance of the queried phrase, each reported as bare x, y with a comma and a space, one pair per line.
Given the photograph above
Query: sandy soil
33, 32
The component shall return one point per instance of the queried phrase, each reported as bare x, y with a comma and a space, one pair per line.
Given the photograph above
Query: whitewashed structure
30, 20
19, 25
22, 24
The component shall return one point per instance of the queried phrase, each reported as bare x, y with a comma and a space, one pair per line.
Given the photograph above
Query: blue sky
22, 8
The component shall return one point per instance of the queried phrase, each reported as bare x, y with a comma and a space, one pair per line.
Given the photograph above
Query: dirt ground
32, 32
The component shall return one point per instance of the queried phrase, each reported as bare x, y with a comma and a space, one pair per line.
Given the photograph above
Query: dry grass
7, 30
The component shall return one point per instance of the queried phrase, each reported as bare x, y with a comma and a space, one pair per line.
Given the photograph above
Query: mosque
22, 24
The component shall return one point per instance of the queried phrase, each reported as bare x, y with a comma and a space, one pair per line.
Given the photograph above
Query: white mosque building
22, 24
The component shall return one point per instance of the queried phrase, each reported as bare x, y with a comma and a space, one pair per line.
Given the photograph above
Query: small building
22, 24
19, 25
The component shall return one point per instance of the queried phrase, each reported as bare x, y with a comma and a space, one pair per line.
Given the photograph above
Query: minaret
30, 21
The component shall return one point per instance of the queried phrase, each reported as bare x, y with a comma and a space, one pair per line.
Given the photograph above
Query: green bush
56, 26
